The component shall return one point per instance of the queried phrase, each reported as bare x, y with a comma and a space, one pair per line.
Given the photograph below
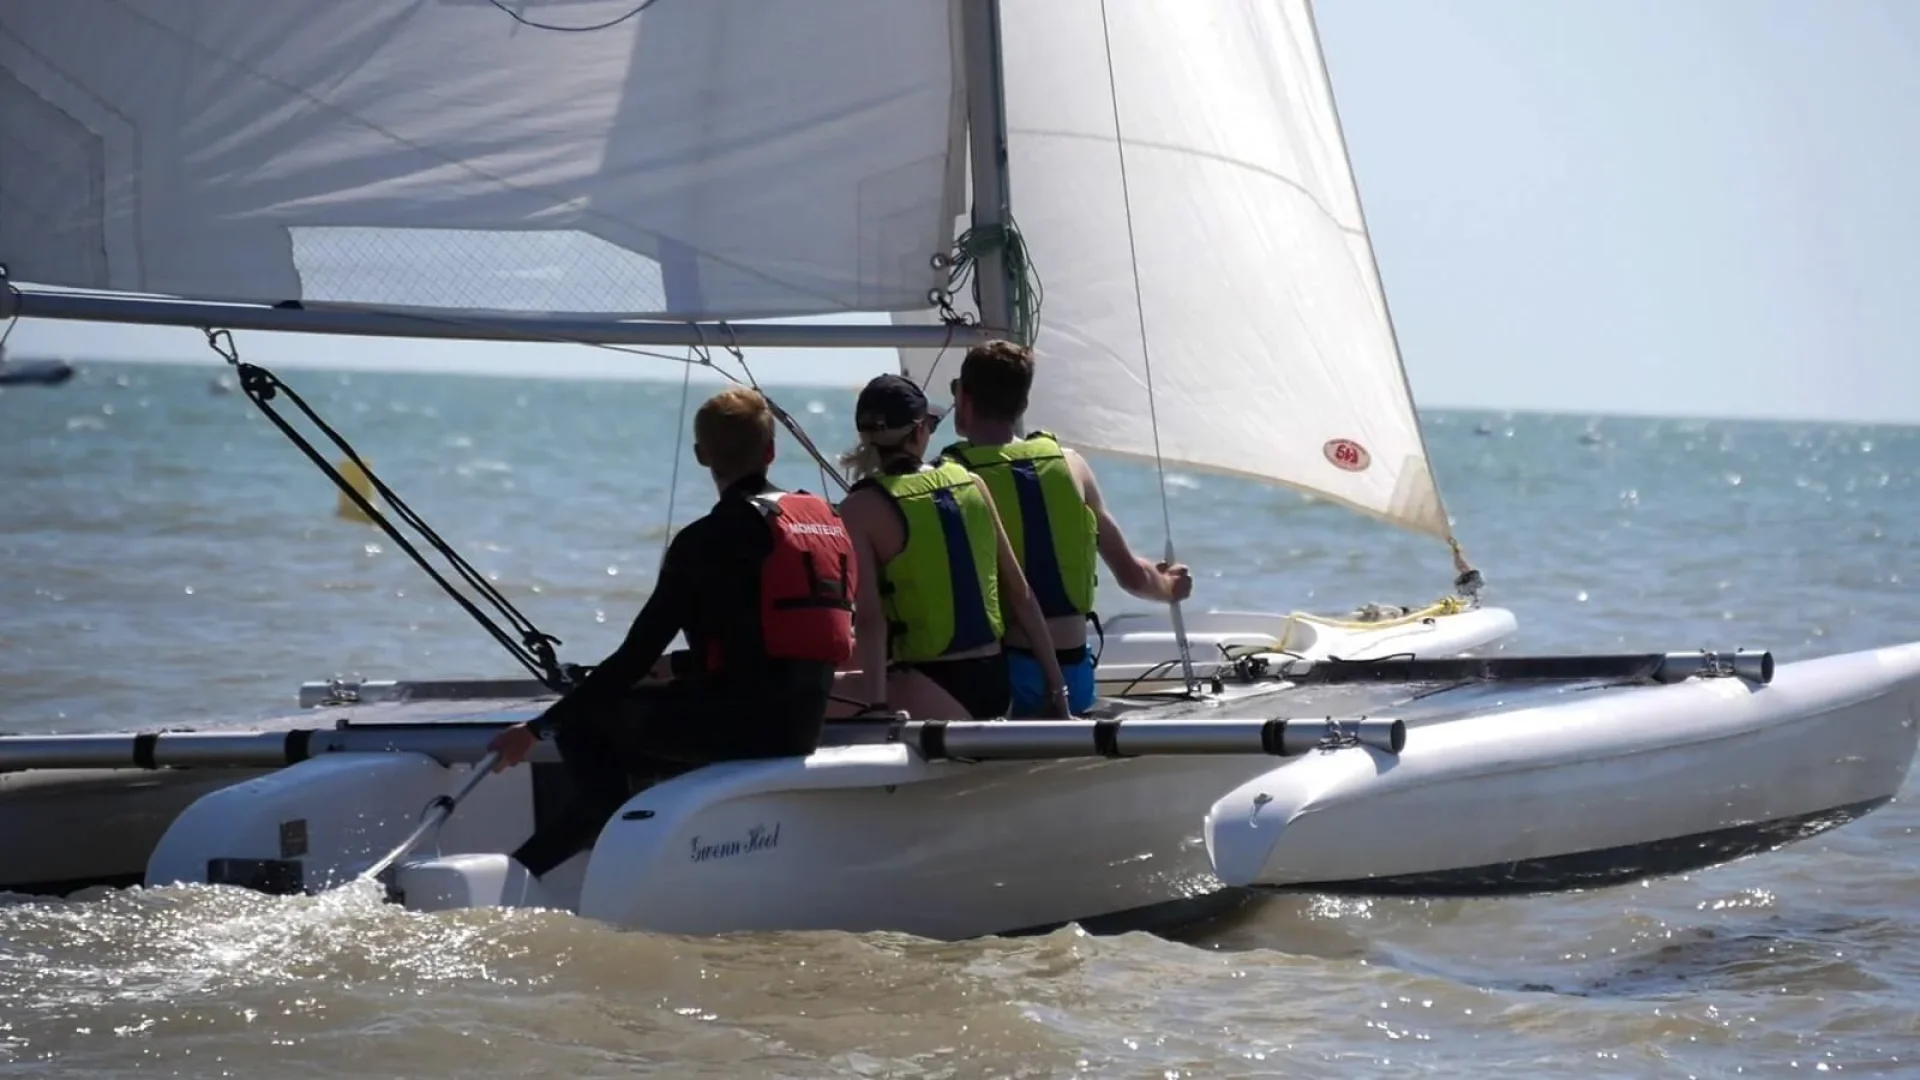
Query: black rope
615, 21
534, 650
782, 415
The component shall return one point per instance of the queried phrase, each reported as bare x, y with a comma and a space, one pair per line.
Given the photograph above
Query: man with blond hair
762, 587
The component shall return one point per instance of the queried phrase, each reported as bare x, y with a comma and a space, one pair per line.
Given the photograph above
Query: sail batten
732, 159
1272, 351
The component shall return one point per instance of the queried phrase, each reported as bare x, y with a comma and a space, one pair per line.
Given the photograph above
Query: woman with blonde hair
937, 576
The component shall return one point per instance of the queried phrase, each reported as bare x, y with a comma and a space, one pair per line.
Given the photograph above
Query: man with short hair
762, 587
1055, 518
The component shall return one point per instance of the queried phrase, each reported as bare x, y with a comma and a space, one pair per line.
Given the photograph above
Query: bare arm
869, 618
1016, 598
1141, 577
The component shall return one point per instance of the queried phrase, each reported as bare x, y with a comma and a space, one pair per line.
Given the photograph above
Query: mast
987, 141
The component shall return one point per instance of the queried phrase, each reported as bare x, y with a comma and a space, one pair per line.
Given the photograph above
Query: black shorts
979, 683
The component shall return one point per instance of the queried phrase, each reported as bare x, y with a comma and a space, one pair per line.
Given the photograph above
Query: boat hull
63, 830
855, 838
34, 372
110, 820
1602, 788
1500, 788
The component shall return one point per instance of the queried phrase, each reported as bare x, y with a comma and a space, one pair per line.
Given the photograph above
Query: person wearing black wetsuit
762, 587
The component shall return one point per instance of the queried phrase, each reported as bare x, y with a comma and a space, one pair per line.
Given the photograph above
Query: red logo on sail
1347, 454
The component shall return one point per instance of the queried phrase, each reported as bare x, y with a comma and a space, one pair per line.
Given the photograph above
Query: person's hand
1179, 580
1057, 707
513, 745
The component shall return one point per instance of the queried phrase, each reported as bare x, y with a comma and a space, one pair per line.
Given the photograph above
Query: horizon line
644, 373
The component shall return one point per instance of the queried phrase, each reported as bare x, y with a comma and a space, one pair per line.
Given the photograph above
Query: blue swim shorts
1030, 685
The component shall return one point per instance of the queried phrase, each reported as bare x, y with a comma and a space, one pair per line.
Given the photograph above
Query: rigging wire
609, 24
1140, 309
781, 414
786, 419
534, 649
934, 368
673, 483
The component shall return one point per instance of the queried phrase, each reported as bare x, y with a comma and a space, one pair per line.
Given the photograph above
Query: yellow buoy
357, 477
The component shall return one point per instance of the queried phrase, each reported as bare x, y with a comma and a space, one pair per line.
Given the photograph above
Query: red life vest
807, 582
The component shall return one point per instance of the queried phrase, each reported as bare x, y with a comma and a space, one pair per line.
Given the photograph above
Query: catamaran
663, 173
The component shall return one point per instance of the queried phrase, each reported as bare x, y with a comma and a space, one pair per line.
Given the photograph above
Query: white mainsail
1272, 353
717, 159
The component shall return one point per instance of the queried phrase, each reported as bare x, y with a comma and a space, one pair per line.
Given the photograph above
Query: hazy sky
1702, 207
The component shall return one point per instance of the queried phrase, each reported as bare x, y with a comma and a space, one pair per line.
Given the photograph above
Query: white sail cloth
718, 158
1272, 354
748, 158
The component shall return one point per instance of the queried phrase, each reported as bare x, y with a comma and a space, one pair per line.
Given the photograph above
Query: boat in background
32, 372
1212, 303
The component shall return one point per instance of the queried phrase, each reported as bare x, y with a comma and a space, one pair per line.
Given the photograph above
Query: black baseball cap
888, 402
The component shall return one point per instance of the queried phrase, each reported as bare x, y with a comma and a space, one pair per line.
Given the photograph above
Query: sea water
170, 559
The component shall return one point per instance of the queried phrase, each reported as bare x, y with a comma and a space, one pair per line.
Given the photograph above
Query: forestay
1272, 354
713, 158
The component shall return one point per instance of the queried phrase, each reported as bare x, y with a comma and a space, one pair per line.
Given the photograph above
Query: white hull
1501, 788
66, 829
856, 837
1601, 787
62, 830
